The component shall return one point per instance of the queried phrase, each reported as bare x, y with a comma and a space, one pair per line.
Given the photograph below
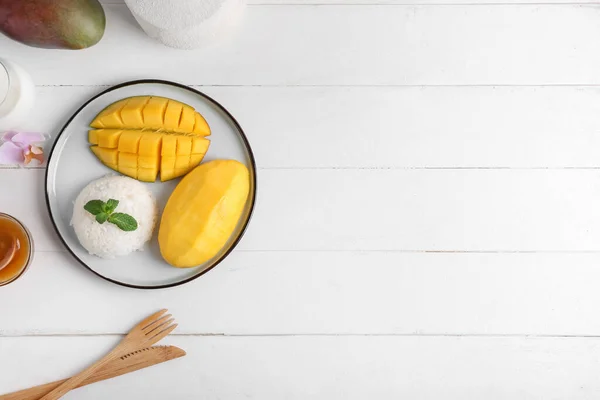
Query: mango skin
53, 24
202, 212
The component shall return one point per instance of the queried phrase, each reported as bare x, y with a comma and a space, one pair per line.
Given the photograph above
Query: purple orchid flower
21, 148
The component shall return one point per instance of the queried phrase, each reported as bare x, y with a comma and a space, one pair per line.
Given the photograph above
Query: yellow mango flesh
129, 141
188, 119
150, 144
150, 135
131, 113
131, 172
199, 146
147, 175
153, 152
152, 112
202, 212
107, 156
169, 146
110, 116
184, 145
107, 138
201, 127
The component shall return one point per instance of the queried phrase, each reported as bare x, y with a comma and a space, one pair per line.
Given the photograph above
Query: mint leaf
101, 218
111, 205
125, 222
105, 212
94, 207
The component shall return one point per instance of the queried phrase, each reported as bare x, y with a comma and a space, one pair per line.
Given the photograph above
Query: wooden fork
144, 334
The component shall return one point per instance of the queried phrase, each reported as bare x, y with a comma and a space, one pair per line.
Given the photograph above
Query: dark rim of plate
242, 135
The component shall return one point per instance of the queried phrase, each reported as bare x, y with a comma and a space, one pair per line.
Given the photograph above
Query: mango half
202, 212
142, 136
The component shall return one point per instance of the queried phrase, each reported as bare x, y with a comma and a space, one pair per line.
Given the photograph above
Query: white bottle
17, 95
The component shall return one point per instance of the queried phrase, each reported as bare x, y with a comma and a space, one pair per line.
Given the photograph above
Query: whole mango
53, 24
203, 212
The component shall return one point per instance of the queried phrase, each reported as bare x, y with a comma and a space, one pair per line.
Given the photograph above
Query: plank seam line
422, 5
313, 4
259, 335
384, 168
394, 251
422, 86
409, 251
427, 168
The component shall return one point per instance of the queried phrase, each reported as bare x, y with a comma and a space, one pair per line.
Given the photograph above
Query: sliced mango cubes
142, 136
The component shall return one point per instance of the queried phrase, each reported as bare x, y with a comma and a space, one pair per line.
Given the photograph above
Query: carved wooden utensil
144, 334
128, 363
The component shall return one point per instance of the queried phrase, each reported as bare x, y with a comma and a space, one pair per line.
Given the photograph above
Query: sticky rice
107, 240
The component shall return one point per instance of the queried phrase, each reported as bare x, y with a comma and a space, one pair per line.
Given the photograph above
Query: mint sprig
94, 206
106, 212
124, 221
111, 205
101, 218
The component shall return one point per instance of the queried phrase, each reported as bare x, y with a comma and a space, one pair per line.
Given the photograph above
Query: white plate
71, 166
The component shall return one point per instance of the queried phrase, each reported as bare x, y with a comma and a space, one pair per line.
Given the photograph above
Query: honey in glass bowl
16, 249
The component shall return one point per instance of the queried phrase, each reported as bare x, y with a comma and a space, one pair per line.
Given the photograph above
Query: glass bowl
25, 251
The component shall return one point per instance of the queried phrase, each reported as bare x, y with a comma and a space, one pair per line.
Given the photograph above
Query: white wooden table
428, 218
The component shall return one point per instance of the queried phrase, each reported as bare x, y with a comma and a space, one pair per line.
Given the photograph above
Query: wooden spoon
8, 247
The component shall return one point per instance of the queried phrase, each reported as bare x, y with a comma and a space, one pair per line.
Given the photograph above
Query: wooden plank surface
336, 367
333, 293
427, 223
349, 45
392, 210
394, 127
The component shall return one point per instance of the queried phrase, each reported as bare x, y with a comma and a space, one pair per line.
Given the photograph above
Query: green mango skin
53, 24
